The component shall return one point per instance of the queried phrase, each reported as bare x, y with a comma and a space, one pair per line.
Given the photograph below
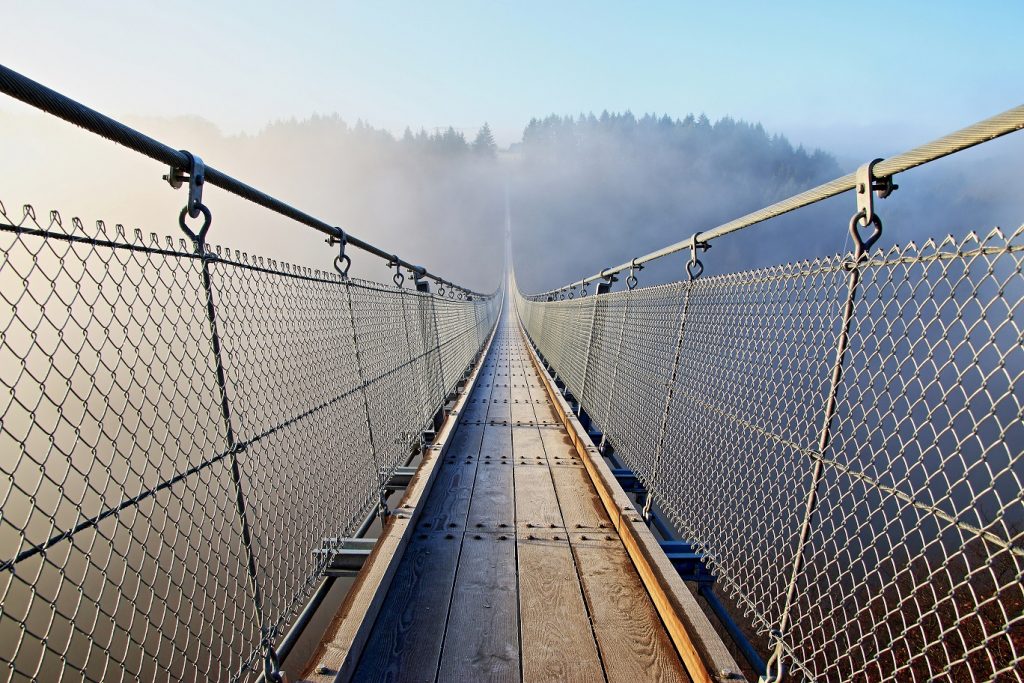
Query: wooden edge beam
344, 639
704, 654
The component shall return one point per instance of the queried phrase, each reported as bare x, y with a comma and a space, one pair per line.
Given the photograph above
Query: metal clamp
695, 267
395, 263
631, 280
419, 283
342, 262
196, 177
867, 186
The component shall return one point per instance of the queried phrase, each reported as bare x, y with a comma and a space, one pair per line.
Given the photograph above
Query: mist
432, 198
585, 192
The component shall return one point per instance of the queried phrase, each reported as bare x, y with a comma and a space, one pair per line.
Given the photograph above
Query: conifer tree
484, 143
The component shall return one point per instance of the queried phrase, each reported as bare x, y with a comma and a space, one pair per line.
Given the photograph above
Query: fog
585, 191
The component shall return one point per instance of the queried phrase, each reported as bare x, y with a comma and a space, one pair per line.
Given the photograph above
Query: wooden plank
405, 643
482, 636
559, 448
695, 639
545, 413
523, 411
342, 642
536, 503
629, 632
527, 447
499, 408
520, 392
496, 445
447, 507
476, 407
581, 506
493, 503
557, 640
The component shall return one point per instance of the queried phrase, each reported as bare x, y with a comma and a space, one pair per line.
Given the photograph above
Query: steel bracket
196, 177
349, 558
868, 186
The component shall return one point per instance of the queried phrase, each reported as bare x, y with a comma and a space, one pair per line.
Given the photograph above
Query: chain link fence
857, 489
180, 429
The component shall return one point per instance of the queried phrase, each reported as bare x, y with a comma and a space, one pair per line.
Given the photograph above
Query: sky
849, 77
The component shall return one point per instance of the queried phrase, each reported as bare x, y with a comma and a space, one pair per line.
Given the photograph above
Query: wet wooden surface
514, 572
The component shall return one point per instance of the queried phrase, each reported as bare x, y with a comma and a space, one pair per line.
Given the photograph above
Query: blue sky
875, 75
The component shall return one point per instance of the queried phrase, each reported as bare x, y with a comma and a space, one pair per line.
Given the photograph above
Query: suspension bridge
217, 466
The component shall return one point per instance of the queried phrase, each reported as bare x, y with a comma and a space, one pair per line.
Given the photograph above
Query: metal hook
631, 280
198, 238
858, 221
695, 267
342, 258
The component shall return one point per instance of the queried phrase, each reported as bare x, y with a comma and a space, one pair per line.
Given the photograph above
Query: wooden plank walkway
515, 571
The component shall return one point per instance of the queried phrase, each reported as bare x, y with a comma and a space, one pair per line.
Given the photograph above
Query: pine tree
484, 143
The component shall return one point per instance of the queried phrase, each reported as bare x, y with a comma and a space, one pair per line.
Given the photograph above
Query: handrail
52, 102
1007, 122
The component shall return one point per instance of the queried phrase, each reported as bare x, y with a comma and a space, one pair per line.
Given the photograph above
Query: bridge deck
514, 571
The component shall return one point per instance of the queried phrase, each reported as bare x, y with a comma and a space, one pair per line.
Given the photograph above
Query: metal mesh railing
870, 522
180, 431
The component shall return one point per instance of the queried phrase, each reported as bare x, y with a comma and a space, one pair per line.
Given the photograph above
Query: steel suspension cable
999, 125
52, 102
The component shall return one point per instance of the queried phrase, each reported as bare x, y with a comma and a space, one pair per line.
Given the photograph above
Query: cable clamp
396, 263
695, 267
631, 280
421, 284
342, 262
867, 186
195, 174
